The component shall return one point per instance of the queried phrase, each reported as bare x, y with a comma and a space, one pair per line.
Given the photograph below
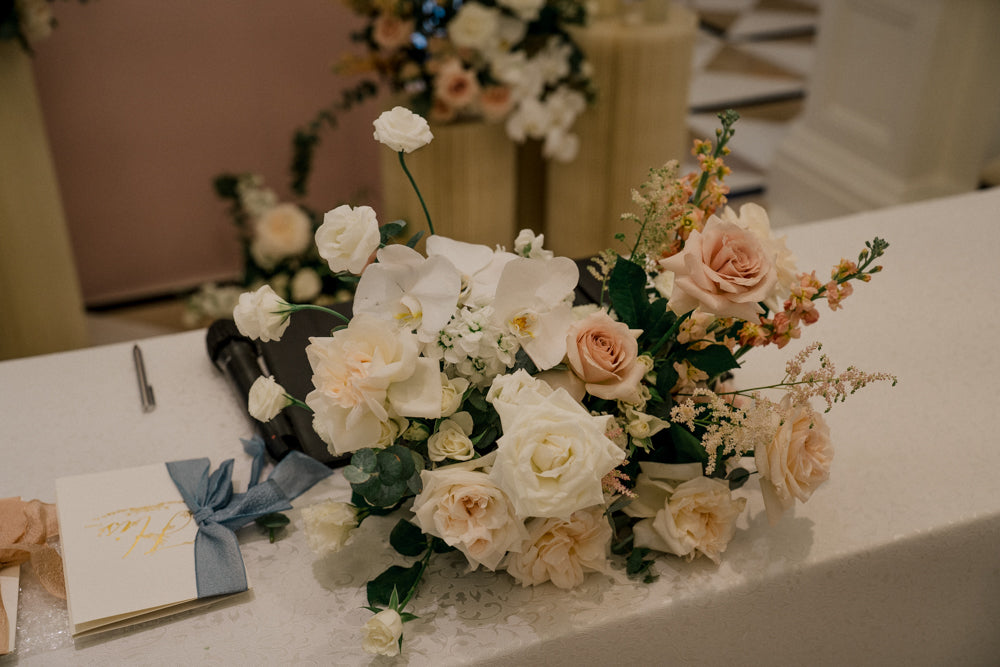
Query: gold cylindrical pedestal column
467, 176
642, 73
40, 300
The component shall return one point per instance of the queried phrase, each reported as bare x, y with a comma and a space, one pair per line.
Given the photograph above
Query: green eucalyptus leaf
355, 475
408, 539
365, 459
390, 230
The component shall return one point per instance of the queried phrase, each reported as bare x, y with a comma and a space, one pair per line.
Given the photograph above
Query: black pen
145, 389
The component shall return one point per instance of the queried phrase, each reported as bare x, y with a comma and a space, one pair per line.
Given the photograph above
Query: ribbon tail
297, 473
219, 568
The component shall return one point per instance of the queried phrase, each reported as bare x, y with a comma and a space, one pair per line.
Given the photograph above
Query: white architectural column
903, 105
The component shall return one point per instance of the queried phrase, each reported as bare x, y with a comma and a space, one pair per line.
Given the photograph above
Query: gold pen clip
145, 389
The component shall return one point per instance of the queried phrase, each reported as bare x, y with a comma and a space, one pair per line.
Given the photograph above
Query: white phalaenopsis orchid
534, 302
420, 294
479, 265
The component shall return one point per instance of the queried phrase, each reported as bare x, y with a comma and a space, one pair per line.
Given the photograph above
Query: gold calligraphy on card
144, 531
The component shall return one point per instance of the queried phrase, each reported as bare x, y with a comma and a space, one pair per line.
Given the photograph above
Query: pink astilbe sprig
614, 483
825, 382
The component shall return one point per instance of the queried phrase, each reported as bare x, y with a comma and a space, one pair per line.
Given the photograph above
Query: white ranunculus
451, 440
348, 237
534, 303
553, 454
563, 550
329, 525
469, 512
417, 293
305, 285
281, 232
260, 314
267, 398
363, 374
380, 635
402, 130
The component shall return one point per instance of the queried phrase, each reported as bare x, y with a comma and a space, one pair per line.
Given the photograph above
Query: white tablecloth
893, 561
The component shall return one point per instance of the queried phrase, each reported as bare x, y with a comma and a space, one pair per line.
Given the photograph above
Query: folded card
128, 547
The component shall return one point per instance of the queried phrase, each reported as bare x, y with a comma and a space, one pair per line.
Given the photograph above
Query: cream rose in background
281, 232
469, 512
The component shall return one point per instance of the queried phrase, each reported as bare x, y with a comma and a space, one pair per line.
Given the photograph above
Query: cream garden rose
723, 269
261, 314
451, 439
469, 512
380, 635
364, 374
348, 237
604, 353
402, 130
796, 461
563, 550
329, 525
281, 232
552, 454
267, 398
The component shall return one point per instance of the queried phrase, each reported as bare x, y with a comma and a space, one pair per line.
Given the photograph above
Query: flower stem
295, 307
420, 575
670, 333
728, 118
402, 162
297, 403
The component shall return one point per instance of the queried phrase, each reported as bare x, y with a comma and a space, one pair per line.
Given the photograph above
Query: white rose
267, 399
553, 455
469, 512
796, 461
402, 130
259, 314
451, 440
696, 515
329, 525
452, 393
474, 26
348, 237
381, 634
306, 285
282, 231
362, 374
391, 430
563, 551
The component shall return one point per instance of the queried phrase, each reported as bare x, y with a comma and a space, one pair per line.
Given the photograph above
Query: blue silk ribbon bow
219, 512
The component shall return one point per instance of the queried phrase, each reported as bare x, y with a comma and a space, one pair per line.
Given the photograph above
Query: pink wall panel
145, 101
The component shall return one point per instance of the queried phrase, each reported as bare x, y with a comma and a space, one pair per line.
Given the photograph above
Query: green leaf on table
408, 539
396, 577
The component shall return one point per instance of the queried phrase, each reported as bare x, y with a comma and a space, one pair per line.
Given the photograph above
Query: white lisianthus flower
553, 454
414, 292
402, 130
381, 634
280, 232
451, 440
305, 285
534, 303
329, 525
348, 237
267, 398
528, 244
683, 512
563, 550
469, 512
364, 373
261, 314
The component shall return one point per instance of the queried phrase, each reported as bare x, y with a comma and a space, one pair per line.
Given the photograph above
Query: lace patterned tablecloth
892, 561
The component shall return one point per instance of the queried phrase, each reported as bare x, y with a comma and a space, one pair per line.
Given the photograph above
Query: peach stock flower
603, 353
723, 269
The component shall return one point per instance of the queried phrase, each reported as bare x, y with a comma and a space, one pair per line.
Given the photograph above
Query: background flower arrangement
27, 21
539, 437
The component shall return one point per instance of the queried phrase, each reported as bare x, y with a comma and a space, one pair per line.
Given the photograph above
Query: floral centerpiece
542, 439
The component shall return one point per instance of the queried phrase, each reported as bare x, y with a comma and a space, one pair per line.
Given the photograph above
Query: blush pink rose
456, 86
723, 269
391, 32
604, 353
